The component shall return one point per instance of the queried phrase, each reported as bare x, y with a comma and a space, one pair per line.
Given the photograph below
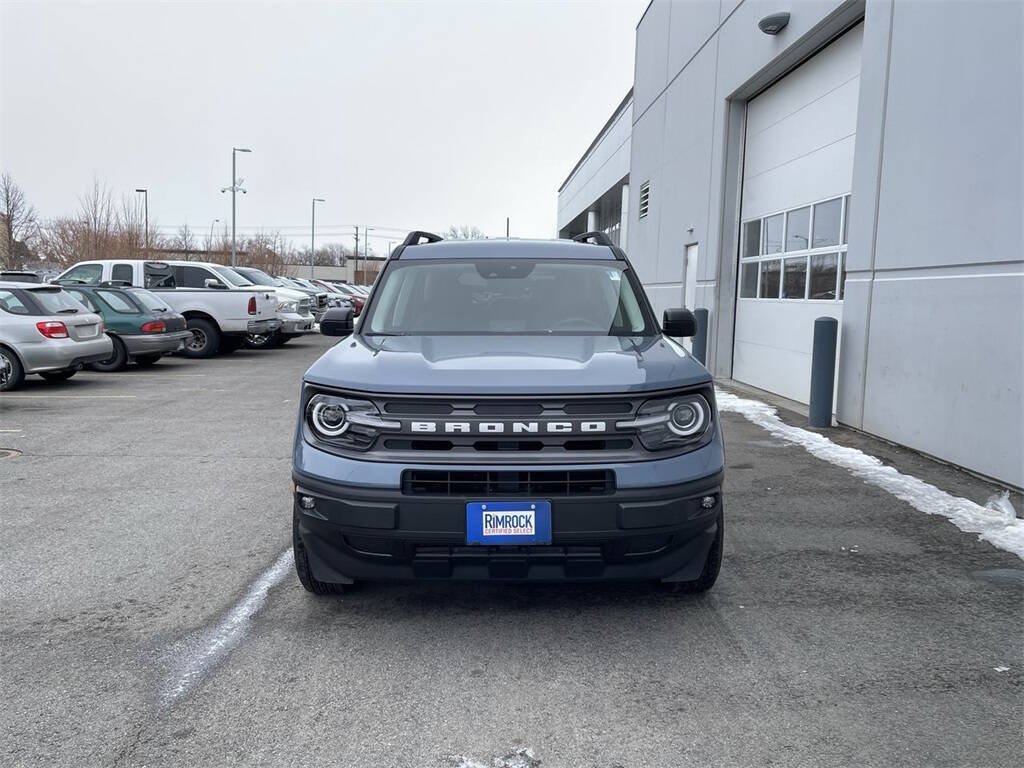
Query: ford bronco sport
508, 410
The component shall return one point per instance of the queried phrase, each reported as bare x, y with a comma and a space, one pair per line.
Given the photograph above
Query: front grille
305, 306
438, 444
546, 483
321, 300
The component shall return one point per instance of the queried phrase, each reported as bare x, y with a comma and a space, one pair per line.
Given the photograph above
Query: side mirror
679, 323
212, 282
336, 322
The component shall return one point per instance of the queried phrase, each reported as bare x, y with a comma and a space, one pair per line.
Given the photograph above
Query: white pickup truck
218, 314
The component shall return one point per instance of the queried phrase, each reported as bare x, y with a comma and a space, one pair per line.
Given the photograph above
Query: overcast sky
405, 115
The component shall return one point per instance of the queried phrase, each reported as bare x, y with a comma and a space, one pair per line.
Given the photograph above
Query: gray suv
508, 410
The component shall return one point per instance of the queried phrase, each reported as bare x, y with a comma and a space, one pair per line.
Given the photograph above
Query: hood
506, 365
289, 294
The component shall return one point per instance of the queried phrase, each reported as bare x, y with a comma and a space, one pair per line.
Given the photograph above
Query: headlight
346, 422
288, 306
671, 422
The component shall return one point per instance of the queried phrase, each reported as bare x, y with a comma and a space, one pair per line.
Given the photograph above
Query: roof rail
417, 237
116, 284
598, 238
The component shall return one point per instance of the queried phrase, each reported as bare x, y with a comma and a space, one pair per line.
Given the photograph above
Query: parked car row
106, 314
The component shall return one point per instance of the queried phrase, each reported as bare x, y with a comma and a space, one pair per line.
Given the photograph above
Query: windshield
58, 302
515, 296
258, 276
232, 277
149, 300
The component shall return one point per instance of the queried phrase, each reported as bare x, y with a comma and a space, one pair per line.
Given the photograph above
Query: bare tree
184, 240
131, 224
19, 222
464, 233
96, 213
61, 241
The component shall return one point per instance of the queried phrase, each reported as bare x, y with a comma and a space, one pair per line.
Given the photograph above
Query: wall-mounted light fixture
772, 25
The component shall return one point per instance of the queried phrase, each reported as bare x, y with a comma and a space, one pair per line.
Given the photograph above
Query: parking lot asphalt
148, 516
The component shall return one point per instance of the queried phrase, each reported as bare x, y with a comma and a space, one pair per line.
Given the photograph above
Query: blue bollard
700, 341
823, 371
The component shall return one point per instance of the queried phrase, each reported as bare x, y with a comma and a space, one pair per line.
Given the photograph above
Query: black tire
56, 376
231, 344
262, 340
309, 583
11, 372
117, 361
205, 338
712, 566
147, 360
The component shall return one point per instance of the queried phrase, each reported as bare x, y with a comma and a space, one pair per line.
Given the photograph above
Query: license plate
508, 522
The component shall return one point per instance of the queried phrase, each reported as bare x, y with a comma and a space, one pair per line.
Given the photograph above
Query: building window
799, 254
827, 219
769, 287
751, 239
824, 269
645, 198
748, 281
798, 228
773, 228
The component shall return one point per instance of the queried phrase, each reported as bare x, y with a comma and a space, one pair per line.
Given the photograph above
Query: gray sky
399, 114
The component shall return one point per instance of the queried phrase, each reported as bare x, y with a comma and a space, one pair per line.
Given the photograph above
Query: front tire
118, 358
309, 583
57, 376
712, 566
11, 372
205, 338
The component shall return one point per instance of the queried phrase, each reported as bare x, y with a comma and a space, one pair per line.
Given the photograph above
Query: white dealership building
864, 163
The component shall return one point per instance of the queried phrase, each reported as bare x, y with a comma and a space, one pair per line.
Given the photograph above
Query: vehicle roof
507, 249
20, 286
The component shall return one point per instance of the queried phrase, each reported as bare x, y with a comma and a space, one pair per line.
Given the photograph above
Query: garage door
797, 174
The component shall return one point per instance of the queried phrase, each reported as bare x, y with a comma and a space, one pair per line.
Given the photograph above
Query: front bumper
293, 324
263, 326
155, 343
355, 531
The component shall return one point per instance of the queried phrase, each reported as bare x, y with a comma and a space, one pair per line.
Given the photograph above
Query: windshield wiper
68, 311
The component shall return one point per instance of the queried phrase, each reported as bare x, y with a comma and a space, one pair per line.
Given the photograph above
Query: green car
141, 325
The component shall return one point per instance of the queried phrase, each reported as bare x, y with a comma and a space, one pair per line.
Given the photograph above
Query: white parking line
69, 397
996, 522
194, 658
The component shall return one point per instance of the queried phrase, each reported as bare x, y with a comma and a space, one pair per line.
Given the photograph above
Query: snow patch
996, 522
195, 657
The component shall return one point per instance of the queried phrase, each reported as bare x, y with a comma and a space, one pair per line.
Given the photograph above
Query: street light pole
145, 198
366, 250
236, 186
312, 237
354, 271
209, 243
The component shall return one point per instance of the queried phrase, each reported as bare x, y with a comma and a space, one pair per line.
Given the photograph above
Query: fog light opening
307, 502
707, 502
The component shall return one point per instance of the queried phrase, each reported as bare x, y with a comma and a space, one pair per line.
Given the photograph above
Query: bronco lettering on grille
507, 427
